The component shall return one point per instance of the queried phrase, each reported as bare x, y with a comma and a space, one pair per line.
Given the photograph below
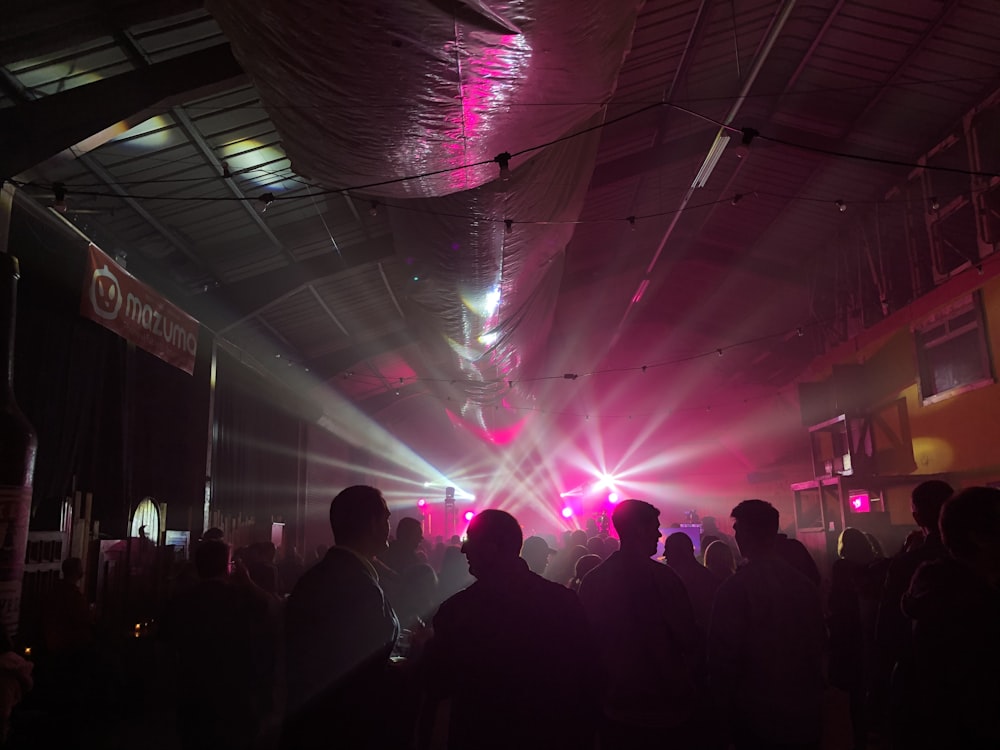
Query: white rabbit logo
105, 295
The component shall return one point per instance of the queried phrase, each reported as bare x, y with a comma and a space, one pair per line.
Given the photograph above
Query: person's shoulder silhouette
507, 650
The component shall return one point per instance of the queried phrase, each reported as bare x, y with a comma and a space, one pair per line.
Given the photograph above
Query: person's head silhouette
359, 519
211, 559
638, 526
853, 545
756, 525
926, 501
409, 533
535, 551
493, 544
678, 549
970, 528
719, 559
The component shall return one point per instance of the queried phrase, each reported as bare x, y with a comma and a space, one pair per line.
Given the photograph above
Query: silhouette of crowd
600, 639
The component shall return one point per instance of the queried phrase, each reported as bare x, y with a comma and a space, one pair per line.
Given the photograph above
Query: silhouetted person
650, 645
66, 628
955, 606
454, 575
402, 552
794, 552
222, 645
719, 559
893, 630
583, 566
926, 502
710, 528
260, 564
15, 682
536, 552
876, 545
67, 654
339, 633
699, 582
418, 595
766, 643
507, 652
853, 602
290, 569
563, 562
596, 546
214, 534
437, 555
319, 553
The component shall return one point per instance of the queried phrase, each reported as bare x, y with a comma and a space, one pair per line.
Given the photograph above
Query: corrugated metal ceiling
880, 78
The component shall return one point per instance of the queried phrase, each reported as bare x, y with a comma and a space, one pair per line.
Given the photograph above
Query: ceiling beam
663, 154
388, 288
327, 310
657, 155
222, 307
141, 59
98, 170
194, 135
40, 128
329, 365
32, 30
374, 404
138, 265
823, 141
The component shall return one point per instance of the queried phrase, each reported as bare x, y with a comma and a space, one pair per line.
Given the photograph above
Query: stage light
491, 302
604, 481
421, 502
612, 497
567, 512
469, 514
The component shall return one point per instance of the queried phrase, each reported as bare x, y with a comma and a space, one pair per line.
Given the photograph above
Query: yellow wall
960, 435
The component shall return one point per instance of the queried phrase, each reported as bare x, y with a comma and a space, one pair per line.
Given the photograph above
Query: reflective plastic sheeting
486, 294
366, 92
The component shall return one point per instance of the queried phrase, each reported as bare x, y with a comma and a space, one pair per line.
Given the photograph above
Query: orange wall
959, 435
962, 433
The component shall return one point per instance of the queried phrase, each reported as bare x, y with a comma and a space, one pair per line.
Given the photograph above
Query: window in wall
952, 351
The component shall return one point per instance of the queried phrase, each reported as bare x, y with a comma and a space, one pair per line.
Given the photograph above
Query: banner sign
123, 304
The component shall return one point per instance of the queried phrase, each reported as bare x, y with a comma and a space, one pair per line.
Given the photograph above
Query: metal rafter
244, 299
134, 51
41, 29
915, 50
17, 91
328, 365
378, 374
388, 288
326, 309
102, 174
43, 126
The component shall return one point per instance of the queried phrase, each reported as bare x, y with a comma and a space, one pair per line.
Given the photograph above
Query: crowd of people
496, 641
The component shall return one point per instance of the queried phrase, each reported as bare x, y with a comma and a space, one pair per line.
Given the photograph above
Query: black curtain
72, 379
256, 464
